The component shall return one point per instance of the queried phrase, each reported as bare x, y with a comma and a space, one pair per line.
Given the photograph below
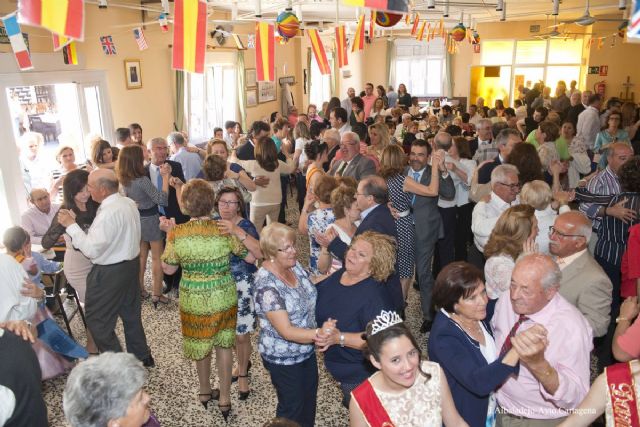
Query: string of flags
140, 39
318, 52
265, 54
20, 51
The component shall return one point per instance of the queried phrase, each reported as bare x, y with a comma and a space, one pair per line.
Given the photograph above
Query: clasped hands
327, 335
531, 344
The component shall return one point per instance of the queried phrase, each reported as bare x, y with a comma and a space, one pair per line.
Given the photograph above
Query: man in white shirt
339, 120
346, 103
191, 162
112, 243
474, 117
37, 219
504, 194
589, 122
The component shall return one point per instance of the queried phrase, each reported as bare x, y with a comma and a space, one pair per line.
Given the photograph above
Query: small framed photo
266, 91
250, 77
133, 73
252, 97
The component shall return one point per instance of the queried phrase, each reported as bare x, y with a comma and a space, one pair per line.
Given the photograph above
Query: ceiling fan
555, 34
587, 19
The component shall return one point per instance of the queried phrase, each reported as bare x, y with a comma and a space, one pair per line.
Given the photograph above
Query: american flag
634, 21
139, 35
107, 45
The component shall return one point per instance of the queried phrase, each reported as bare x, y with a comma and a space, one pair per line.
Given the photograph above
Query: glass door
527, 77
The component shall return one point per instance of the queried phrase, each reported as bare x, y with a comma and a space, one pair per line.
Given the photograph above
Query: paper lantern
387, 20
459, 32
287, 25
476, 38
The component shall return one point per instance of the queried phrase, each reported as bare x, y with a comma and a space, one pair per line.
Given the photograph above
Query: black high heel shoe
243, 395
159, 299
214, 395
234, 378
225, 412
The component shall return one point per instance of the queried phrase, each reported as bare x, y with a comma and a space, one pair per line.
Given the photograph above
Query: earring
272, 260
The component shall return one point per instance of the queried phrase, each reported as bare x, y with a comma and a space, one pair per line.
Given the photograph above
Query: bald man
112, 243
37, 219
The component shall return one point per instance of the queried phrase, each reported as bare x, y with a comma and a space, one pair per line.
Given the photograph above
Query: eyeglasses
511, 186
227, 204
553, 230
286, 249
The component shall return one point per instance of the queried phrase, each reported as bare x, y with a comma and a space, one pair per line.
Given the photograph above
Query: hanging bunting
108, 47
426, 31
358, 38
386, 5
407, 18
371, 26
140, 39
164, 22
251, 41
318, 52
70, 54
440, 30
341, 47
601, 42
20, 50
432, 34
265, 46
64, 17
59, 41
421, 31
189, 35
416, 21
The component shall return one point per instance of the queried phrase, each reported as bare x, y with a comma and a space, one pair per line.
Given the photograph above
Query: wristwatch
341, 340
621, 319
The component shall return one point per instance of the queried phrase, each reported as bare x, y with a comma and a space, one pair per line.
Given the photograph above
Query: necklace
473, 329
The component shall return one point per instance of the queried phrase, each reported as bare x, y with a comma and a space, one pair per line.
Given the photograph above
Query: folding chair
55, 287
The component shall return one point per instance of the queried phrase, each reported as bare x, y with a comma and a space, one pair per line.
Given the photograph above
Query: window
211, 100
420, 66
531, 51
497, 52
320, 84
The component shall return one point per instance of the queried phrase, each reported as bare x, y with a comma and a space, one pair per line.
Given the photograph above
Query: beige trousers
257, 215
508, 420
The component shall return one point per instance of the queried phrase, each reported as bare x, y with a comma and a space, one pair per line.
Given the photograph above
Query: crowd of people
518, 226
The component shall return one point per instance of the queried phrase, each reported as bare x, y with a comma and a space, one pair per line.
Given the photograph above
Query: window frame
428, 56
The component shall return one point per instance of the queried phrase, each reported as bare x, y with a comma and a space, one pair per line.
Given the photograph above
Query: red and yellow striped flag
59, 41
416, 21
265, 54
421, 31
407, 18
440, 30
189, 35
64, 17
70, 54
358, 38
319, 52
341, 46
372, 22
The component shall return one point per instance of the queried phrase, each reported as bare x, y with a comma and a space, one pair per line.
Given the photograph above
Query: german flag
189, 35
265, 45
63, 17
69, 54
341, 46
358, 39
319, 52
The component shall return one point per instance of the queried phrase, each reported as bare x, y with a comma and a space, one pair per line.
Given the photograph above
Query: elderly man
504, 194
36, 172
191, 162
504, 143
474, 117
554, 368
576, 107
37, 219
584, 284
588, 124
369, 98
352, 163
339, 120
112, 243
482, 147
346, 103
403, 126
331, 137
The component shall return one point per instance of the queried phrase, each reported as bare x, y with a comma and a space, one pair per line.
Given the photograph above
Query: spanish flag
189, 35
265, 45
319, 52
358, 38
416, 21
63, 17
421, 31
341, 46
69, 54
60, 41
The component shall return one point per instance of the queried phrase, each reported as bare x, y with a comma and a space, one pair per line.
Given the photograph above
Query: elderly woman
514, 234
461, 341
285, 301
216, 174
67, 160
538, 195
102, 155
353, 296
107, 391
231, 208
208, 295
138, 186
219, 148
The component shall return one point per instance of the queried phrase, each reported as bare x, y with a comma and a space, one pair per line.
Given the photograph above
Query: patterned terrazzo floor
173, 382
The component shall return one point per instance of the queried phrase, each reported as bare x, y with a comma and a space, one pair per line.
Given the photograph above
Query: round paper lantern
386, 20
459, 32
287, 25
476, 38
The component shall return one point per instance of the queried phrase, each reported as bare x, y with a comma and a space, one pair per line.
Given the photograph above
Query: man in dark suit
579, 103
246, 150
505, 141
428, 222
372, 197
352, 163
159, 149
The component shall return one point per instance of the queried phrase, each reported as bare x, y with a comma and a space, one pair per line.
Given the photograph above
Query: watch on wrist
621, 319
341, 340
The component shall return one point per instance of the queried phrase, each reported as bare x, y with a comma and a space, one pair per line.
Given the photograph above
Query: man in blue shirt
191, 162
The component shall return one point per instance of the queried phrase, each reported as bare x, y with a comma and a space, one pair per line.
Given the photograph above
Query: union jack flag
634, 21
139, 35
108, 46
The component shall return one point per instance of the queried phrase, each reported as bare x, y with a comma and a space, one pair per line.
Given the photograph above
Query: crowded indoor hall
331, 213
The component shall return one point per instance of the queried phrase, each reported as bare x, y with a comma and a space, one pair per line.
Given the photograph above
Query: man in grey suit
584, 284
428, 222
352, 163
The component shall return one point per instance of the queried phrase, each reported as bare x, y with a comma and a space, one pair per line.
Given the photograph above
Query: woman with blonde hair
514, 234
379, 136
67, 159
138, 186
538, 195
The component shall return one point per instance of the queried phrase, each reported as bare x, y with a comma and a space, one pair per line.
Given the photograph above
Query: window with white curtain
420, 66
320, 84
211, 100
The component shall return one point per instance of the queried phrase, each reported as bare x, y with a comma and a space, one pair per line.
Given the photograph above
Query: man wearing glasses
504, 194
352, 162
584, 284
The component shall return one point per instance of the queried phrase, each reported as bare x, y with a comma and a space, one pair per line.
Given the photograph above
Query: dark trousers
284, 183
604, 352
445, 248
112, 292
301, 186
297, 390
463, 235
475, 257
425, 247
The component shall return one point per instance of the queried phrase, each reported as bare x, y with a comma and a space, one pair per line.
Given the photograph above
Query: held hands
165, 170
564, 197
166, 224
619, 211
327, 335
261, 180
66, 217
226, 226
531, 344
231, 174
324, 239
175, 182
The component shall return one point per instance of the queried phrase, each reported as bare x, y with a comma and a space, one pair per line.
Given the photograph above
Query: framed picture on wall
133, 73
250, 77
252, 98
266, 92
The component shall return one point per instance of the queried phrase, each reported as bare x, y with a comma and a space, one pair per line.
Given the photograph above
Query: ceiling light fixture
556, 7
446, 9
431, 4
622, 5
504, 11
500, 5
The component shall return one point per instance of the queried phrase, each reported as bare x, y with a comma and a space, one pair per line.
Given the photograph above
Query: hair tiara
385, 320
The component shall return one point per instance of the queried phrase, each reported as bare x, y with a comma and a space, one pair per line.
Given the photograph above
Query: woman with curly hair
353, 296
357, 111
514, 234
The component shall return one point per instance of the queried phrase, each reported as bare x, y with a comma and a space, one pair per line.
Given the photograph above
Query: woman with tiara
407, 390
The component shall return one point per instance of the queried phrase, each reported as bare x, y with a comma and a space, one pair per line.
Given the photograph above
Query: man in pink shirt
369, 98
554, 369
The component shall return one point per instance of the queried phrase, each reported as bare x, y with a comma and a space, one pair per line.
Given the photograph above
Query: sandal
213, 395
159, 299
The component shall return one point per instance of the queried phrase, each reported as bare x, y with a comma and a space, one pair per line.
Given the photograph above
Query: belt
148, 212
404, 213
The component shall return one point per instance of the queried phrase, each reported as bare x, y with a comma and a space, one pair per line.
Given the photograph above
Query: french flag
17, 42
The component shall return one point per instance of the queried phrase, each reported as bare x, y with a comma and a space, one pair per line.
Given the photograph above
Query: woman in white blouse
514, 234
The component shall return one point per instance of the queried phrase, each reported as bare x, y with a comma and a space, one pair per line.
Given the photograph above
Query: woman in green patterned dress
208, 298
